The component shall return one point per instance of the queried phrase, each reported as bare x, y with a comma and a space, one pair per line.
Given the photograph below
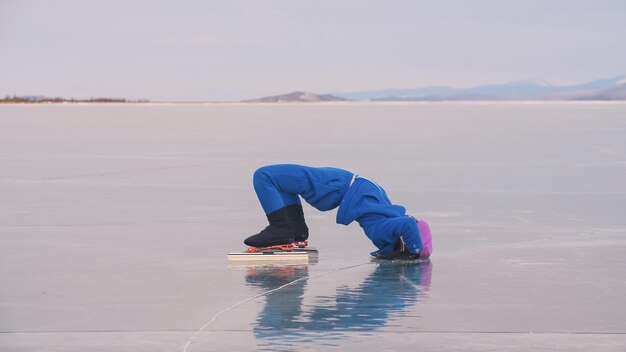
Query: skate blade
270, 255
312, 252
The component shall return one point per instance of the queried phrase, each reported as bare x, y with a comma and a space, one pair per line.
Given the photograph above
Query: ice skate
278, 232
295, 215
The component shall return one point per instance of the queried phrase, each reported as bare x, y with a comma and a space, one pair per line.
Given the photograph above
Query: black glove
400, 252
398, 256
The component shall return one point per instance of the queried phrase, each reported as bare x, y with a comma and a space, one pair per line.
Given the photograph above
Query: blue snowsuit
326, 188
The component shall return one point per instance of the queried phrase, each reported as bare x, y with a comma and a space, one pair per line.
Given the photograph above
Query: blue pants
278, 186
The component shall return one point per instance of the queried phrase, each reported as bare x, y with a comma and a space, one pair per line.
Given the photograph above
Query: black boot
296, 220
278, 231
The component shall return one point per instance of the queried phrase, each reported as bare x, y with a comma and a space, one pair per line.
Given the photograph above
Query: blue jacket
383, 223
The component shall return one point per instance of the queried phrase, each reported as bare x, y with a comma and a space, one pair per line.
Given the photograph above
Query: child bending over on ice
395, 234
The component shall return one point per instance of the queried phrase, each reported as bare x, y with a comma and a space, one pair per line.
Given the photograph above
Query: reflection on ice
387, 291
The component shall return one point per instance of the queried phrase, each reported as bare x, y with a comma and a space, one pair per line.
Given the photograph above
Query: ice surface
115, 221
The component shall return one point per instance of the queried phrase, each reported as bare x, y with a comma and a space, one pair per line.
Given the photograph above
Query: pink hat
427, 238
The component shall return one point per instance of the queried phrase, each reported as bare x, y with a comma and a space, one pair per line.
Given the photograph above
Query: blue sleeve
411, 235
390, 230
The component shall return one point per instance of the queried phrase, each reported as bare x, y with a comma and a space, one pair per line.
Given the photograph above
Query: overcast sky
214, 50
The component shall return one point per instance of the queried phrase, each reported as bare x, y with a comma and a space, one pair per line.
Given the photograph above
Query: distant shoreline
57, 100
351, 102
540, 91
71, 102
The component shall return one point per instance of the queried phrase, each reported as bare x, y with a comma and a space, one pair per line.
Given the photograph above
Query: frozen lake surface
115, 221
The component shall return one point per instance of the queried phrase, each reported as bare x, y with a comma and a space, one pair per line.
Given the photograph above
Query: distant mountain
613, 93
300, 96
602, 89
